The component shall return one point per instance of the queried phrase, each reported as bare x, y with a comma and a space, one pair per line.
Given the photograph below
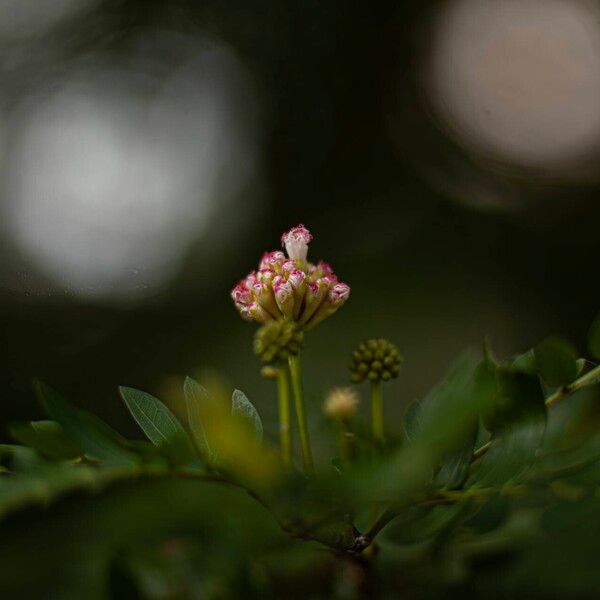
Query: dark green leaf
556, 361
83, 429
489, 515
411, 422
452, 410
155, 419
594, 337
47, 437
242, 407
525, 363
455, 467
519, 433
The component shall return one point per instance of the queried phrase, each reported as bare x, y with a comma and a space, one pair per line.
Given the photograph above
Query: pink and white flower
290, 287
296, 242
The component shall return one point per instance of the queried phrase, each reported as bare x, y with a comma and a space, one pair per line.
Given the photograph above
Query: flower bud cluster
290, 288
276, 341
376, 360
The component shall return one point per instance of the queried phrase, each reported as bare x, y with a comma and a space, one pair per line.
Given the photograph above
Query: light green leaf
243, 408
83, 429
556, 361
196, 397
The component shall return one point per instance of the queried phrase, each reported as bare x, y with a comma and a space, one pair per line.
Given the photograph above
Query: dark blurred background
444, 154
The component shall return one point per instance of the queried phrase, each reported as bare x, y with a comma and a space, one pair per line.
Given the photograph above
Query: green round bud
376, 360
276, 341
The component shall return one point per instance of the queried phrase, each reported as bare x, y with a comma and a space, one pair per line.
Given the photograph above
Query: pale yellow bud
341, 403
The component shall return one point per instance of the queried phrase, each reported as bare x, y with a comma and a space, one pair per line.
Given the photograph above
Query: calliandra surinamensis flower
290, 288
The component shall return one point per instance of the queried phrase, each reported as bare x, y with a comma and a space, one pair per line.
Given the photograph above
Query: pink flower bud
315, 295
284, 296
257, 313
263, 294
339, 293
296, 242
265, 275
296, 277
288, 265
240, 294
321, 269
270, 260
251, 279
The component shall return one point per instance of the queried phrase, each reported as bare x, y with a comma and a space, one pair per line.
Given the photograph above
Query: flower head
290, 288
375, 360
341, 404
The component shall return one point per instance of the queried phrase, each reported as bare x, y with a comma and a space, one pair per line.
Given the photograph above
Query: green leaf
490, 515
452, 409
196, 397
520, 430
556, 361
84, 429
411, 422
594, 337
242, 407
455, 467
525, 363
154, 418
47, 437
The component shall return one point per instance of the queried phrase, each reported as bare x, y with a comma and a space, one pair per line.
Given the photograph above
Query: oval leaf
556, 361
83, 429
243, 408
154, 418
196, 398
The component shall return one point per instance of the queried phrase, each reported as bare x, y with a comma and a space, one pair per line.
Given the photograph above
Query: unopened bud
277, 340
376, 360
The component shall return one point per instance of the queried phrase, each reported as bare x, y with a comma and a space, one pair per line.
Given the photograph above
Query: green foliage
556, 361
211, 504
196, 401
594, 337
242, 408
95, 438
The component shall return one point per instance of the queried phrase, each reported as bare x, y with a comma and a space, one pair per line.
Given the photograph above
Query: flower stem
297, 385
377, 412
345, 442
285, 429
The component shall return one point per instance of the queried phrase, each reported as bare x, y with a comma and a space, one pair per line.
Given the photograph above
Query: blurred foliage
206, 509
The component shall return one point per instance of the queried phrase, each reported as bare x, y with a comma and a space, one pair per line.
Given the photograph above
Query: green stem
345, 442
589, 378
377, 412
285, 428
296, 372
